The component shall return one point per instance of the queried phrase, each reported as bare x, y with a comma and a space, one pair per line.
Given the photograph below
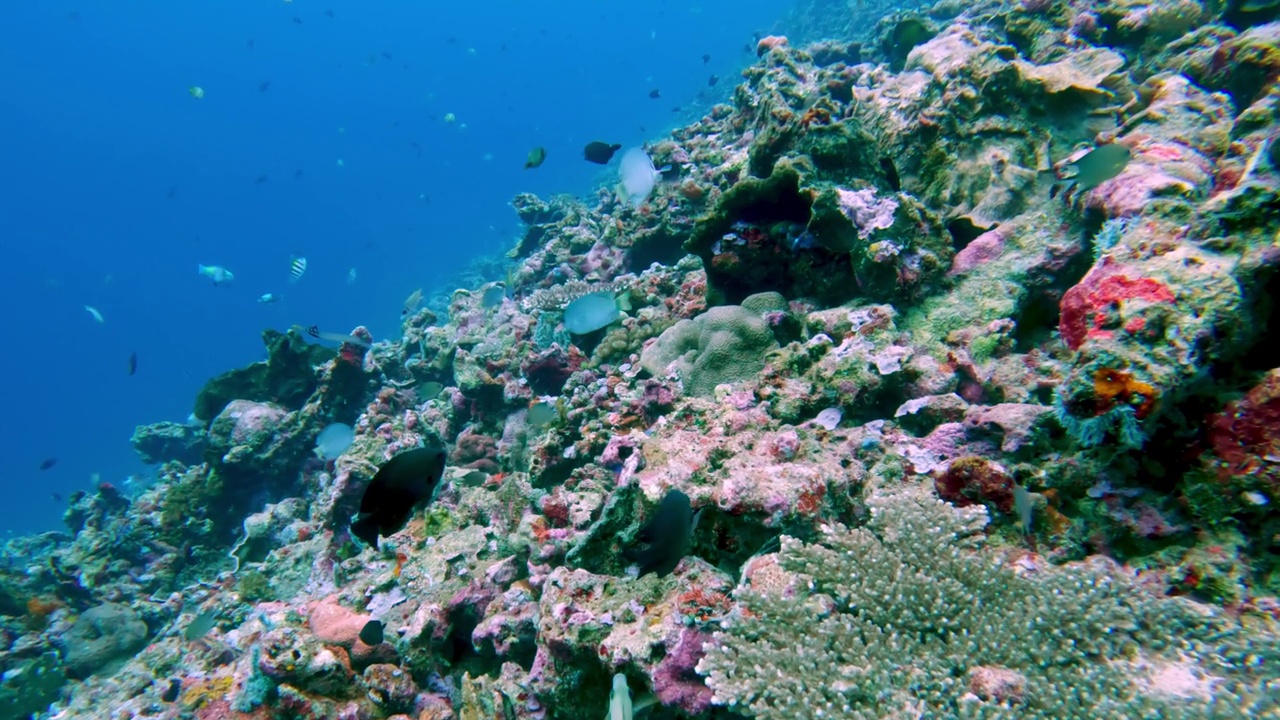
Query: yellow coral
207, 691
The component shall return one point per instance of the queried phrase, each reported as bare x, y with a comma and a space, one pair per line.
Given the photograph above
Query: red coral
1087, 307
1246, 434
475, 451
970, 480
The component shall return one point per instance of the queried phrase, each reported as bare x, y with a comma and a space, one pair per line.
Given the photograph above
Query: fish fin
365, 530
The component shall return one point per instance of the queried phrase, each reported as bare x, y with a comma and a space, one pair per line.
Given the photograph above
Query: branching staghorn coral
906, 617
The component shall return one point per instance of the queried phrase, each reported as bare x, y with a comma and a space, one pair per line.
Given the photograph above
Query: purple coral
676, 682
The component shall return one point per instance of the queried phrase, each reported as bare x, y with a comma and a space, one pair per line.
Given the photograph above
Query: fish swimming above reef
48, 463
411, 303
536, 156
315, 332
667, 534
599, 153
133, 363
216, 273
402, 484
297, 268
371, 633
1091, 169
654, 94
637, 175
268, 298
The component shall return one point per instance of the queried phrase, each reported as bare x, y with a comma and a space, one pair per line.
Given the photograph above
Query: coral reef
955, 326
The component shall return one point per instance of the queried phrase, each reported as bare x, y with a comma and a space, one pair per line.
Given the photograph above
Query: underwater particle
536, 156
590, 313
829, 418
264, 86
341, 163
201, 625
412, 302
196, 92
638, 176
654, 94
297, 268
450, 118
667, 535
599, 153
371, 633
133, 363
268, 298
216, 273
400, 485
48, 463
94, 312
352, 276
333, 441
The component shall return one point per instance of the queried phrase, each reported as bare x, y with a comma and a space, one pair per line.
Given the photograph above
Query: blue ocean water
117, 182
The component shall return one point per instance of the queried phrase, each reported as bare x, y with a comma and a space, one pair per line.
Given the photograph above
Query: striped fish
351, 276
297, 268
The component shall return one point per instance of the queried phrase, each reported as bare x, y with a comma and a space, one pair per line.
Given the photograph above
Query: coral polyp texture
955, 327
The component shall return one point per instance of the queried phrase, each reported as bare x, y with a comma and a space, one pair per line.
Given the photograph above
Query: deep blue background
117, 183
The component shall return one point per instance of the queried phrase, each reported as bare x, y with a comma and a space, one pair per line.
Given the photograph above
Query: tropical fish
536, 156
314, 332
371, 633
268, 298
1022, 503
201, 625
450, 118
412, 302
1093, 168
711, 81
48, 463
599, 153
297, 268
94, 312
196, 91
333, 441
654, 94
133, 362
638, 176
590, 313
493, 296
430, 390
667, 534
706, 59
402, 484
352, 276
216, 273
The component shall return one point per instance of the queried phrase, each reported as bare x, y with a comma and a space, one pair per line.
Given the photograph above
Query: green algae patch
285, 378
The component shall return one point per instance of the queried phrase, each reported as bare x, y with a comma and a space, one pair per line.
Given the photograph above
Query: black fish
371, 633
667, 534
260, 180
328, 12
711, 81
655, 94
133, 363
172, 692
706, 59
264, 86
48, 463
891, 174
400, 485
57, 497
599, 152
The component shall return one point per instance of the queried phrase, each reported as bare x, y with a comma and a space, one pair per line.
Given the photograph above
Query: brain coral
725, 344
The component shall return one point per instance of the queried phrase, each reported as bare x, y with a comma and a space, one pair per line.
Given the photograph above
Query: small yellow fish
196, 92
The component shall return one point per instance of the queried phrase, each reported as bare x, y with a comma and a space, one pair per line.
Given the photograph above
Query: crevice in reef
963, 232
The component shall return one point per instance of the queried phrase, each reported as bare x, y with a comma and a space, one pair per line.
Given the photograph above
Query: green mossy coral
286, 377
725, 344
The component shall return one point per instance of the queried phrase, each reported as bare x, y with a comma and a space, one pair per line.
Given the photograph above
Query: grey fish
667, 534
402, 484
